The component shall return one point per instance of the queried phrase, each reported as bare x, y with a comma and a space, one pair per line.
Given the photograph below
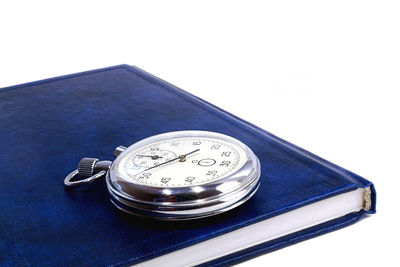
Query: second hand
181, 158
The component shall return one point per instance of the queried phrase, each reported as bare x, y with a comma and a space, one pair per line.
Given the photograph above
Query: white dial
180, 162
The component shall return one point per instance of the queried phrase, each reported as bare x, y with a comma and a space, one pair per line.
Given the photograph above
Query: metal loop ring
69, 183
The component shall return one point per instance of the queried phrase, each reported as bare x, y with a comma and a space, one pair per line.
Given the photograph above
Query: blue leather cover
47, 126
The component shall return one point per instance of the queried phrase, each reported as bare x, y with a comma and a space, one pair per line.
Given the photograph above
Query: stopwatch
176, 175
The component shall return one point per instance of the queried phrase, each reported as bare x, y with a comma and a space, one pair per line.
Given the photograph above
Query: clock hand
184, 156
181, 159
152, 157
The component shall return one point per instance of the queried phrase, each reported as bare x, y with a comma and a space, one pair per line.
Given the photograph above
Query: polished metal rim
176, 213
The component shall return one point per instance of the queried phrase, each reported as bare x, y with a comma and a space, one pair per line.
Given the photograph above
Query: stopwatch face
182, 161
183, 175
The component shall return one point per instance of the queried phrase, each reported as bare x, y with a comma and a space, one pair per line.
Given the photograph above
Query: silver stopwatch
176, 175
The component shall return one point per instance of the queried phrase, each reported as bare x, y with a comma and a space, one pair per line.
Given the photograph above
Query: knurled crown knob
86, 166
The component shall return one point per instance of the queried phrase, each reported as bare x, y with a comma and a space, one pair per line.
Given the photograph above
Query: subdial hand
152, 157
181, 159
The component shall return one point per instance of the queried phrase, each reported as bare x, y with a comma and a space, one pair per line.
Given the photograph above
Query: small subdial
150, 158
206, 162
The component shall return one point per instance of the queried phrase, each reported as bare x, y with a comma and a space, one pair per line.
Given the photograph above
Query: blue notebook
46, 127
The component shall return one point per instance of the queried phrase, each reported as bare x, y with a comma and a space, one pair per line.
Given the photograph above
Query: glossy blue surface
47, 126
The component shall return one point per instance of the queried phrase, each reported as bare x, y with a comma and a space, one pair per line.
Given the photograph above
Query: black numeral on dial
190, 179
225, 163
145, 175
165, 180
212, 173
226, 154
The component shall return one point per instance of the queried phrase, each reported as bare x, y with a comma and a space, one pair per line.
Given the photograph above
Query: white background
323, 75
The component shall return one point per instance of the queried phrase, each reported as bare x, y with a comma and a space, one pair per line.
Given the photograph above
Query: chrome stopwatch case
177, 175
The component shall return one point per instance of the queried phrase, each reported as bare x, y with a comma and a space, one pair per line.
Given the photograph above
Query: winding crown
86, 166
